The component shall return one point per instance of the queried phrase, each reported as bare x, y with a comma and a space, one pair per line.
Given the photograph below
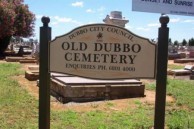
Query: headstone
191, 54
173, 52
21, 51
115, 18
182, 55
36, 54
11, 47
170, 47
190, 48
33, 49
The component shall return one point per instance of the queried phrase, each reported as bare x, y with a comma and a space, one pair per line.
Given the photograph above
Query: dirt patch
2, 61
30, 86
116, 105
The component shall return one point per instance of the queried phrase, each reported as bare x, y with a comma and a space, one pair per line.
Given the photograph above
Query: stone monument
115, 18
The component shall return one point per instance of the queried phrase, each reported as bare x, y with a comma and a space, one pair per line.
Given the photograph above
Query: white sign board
179, 7
102, 51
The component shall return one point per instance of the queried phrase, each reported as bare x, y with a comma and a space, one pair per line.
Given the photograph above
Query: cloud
175, 20
59, 19
54, 23
90, 11
189, 21
62, 19
78, 4
153, 25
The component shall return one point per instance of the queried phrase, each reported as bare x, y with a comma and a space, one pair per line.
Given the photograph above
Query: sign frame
77, 34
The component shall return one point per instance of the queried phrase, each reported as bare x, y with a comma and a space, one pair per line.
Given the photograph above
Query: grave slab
172, 56
191, 54
33, 67
17, 59
32, 75
69, 80
27, 61
184, 60
180, 72
191, 77
69, 88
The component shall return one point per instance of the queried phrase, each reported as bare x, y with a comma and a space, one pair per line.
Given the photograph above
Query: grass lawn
19, 110
173, 66
180, 114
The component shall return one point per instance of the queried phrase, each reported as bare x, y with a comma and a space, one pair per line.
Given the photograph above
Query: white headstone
115, 18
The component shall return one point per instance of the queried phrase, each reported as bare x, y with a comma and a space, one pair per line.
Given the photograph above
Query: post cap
45, 20
164, 19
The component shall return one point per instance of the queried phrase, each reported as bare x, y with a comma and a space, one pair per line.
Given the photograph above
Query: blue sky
66, 15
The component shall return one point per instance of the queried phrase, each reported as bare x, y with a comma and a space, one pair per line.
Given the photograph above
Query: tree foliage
191, 42
169, 41
184, 42
15, 19
176, 42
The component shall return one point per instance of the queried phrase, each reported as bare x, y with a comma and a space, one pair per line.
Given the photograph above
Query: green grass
180, 115
182, 91
180, 119
109, 104
173, 66
19, 110
130, 119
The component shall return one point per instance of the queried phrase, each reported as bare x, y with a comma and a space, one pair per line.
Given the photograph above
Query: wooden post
161, 78
44, 79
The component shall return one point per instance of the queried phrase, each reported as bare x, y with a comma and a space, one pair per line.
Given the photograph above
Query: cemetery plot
20, 59
69, 88
32, 73
186, 71
184, 60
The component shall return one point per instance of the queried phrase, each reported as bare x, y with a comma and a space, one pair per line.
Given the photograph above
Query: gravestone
173, 52
115, 18
191, 54
21, 51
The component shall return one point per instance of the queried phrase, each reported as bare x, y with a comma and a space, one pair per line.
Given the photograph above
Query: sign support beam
161, 77
44, 79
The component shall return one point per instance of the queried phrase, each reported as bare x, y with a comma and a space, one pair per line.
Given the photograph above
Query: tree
191, 42
176, 43
15, 20
184, 42
169, 41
